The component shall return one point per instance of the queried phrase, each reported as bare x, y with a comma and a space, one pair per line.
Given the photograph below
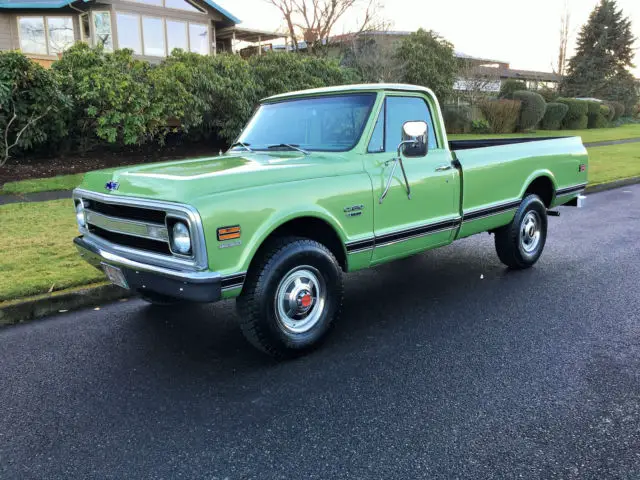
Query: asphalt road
444, 365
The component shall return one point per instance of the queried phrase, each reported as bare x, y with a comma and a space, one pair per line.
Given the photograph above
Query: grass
588, 136
37, 254
615, 162
61, 182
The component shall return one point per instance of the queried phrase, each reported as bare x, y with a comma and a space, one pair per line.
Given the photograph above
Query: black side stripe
568, 190
233, 281
402, 235
486, 212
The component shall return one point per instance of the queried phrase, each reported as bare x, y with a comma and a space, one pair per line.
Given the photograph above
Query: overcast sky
522, 32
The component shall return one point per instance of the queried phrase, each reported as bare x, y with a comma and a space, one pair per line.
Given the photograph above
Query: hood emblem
111, 186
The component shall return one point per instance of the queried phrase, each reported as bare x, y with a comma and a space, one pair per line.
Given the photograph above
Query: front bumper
195, 286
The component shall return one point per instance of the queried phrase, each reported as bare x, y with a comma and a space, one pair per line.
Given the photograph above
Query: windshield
331, 123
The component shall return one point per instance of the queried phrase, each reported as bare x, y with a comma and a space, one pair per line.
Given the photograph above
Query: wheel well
312, 228
543, 187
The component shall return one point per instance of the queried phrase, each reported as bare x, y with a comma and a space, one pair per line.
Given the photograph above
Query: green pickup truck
320, 182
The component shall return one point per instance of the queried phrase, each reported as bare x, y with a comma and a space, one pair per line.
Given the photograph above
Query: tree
315, 20
427, 59
600, 67
565, 20
476, 82
375, 61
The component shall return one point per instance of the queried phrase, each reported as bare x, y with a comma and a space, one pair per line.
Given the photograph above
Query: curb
611, 185
32, 308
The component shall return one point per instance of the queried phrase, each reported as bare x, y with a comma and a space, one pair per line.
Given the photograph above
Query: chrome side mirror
414, 139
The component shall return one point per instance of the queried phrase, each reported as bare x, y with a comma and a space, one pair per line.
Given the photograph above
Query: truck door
428, 219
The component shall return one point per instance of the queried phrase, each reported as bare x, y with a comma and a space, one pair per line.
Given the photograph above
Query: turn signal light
228, 233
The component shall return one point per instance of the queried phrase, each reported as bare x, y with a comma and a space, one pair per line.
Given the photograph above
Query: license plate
115, 275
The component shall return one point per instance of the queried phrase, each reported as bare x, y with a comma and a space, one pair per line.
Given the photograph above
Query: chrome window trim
199, 261
125, 226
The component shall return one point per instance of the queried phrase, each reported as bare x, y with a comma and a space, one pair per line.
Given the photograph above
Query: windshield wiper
241, 144
289, 145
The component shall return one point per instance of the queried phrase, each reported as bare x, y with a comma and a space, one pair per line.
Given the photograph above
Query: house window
102, 28
199, 38
177, 35
153, 36
176, 4
129, 32
45, 35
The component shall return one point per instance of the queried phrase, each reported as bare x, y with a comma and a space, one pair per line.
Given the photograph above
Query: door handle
442, 168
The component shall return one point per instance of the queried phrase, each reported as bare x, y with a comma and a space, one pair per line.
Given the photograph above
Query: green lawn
61, 182
37, 254
613, 163
588, 136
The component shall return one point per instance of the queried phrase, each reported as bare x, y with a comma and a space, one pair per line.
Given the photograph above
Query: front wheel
520, 243
291, 297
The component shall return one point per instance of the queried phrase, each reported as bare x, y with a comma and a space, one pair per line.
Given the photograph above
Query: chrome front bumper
196, 286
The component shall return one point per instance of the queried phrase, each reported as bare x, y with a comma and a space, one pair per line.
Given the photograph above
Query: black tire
515, 243
281, 261
159, 300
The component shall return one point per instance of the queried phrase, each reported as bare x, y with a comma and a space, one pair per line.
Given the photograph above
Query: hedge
576, 117
502, 115
553, 116
532, 110
457, 119
509, 87
94, 97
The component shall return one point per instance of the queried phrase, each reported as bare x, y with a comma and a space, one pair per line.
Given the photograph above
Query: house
43, 29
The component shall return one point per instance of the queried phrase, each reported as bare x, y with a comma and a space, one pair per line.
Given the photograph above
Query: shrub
549, 94
31, 105
502, 115
532, 110
619, 110
553, 116
112, 95
480, 126
457, 119
209, 96
594, 114
611, 112
509, 87
576, 117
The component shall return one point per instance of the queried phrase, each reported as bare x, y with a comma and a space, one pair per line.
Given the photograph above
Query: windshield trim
358, 138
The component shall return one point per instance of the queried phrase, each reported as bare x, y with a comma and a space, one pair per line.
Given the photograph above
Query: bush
502, 115
112, 95
549, 94
553, 116
457, 119
532, 110
576, 117
509, 87
31, 105
596, 119
619, 110
611, 111
209, 96
480, 126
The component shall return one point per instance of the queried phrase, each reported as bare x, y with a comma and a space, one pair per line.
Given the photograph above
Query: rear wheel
291, 297
520, 243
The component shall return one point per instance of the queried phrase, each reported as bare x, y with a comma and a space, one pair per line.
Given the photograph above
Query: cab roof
364, 87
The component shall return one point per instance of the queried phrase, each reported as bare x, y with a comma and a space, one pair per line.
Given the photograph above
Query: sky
524, 33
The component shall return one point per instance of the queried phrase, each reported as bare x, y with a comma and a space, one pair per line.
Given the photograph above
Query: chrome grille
139, 228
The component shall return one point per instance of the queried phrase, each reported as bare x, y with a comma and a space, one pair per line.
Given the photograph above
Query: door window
405, 109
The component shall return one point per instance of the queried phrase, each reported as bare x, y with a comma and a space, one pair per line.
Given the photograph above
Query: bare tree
374, 57
476, 82
564, 40
315, 20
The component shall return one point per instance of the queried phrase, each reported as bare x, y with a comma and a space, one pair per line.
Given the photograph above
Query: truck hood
188, 179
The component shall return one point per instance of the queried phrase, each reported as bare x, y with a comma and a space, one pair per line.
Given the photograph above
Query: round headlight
80, 215
181, 240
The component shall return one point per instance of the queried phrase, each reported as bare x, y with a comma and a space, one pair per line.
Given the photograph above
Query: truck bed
494, 142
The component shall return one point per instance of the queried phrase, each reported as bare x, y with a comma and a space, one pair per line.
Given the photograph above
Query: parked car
320, 183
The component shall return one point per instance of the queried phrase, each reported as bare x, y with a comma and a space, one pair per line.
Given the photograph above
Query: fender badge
235, 243
111, 186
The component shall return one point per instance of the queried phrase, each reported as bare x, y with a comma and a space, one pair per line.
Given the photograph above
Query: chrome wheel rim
300, 299
530, 232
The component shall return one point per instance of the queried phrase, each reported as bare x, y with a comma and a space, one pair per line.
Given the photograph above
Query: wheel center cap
305, 299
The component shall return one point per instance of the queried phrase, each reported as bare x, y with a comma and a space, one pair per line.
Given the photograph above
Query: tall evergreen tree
600, 67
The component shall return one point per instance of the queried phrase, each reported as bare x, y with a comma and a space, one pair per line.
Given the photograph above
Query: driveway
444, 365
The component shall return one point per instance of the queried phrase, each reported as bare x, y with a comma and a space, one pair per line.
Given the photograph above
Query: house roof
42, 4
247, 34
